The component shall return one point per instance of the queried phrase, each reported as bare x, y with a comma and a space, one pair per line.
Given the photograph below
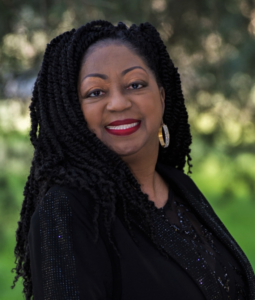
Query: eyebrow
102, 76
130, 69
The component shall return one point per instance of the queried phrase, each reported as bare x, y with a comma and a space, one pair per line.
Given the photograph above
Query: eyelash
133, 83
137, 83
89, 95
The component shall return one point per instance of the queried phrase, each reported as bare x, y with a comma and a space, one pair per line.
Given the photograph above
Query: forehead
110, 56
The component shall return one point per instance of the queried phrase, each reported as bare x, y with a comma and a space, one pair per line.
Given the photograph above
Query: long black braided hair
68, 153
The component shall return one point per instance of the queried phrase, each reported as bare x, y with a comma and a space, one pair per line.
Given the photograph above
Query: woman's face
120, 99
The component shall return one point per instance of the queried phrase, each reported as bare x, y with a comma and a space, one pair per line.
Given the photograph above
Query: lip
123, 131
123, 122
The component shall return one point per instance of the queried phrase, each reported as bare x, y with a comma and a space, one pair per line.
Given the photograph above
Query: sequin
58, 262
174, 245
193, 246
203, 209
189, 228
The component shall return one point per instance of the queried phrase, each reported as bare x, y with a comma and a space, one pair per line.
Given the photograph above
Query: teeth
126, 126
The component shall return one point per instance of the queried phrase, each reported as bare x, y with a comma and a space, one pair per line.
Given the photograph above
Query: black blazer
66, 264
198, 202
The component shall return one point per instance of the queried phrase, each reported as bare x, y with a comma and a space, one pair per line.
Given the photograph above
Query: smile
126, 126
124, 129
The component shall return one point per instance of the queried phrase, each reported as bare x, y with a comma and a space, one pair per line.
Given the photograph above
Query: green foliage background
212, 43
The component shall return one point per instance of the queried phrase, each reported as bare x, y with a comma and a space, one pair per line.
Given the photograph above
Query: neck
142, 165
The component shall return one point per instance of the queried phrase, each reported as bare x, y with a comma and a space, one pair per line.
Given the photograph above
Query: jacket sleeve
65, 262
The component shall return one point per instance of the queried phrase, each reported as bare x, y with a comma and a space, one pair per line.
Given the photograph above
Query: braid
175, 114
68, 153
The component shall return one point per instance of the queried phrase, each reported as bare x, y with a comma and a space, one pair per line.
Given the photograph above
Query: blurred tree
213, 40
212, 43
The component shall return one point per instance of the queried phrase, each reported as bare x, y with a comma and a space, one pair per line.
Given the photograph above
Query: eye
96, 93
135, 86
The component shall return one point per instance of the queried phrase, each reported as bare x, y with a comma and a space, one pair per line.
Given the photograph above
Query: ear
162, 98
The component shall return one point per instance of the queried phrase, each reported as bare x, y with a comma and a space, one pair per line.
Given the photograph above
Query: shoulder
63, 197
60, 205
70, 193
178, 177
59, 227
185, 186
63, 249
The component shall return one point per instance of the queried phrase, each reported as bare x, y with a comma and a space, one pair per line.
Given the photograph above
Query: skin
114, 95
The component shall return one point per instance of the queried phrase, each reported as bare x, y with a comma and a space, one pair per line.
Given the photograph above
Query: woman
108, 212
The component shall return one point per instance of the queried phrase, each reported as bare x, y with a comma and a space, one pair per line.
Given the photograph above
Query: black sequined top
202, 259
211, 252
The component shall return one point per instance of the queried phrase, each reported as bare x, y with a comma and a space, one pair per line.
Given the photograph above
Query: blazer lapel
196, 200
187, 257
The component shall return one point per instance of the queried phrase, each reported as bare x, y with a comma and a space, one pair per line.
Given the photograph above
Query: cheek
153, 112
93, 117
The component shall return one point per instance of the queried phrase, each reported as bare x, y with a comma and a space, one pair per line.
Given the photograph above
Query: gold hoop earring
163, 143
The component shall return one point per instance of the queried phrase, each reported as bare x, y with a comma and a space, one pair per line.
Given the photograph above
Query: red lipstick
123, 127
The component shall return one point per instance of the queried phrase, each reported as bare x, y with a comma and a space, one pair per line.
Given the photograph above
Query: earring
163, 143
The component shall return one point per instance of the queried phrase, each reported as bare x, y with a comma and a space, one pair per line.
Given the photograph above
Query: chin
125, 150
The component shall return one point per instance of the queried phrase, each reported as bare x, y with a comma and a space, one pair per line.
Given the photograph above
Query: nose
118, 101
